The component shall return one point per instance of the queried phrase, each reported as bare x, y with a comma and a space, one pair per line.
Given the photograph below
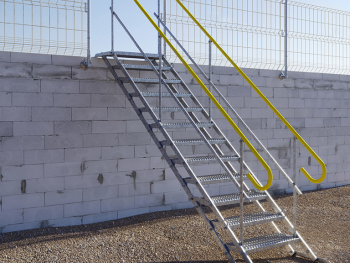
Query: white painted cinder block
43, 185
62, 169
22, 172
100, 217
149, 200
63, 141
17, 70
133, 164
31, 58
44, 156
15, 113
116, 204
80, 209
32, 99
127, 190
82, 154
133, 212
11, 158
11, 217
32, 128
100, 193
51, 114
72, 100
43, 213
63, 197
59, 86
22, 201
89, 114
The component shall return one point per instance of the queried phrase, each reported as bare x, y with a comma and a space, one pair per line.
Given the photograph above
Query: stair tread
187, 124
143, 67
173, 109
217, 177
195, 142
253, 219
211, 158
156, 94
156, 80
235, 198
127, 54
256, 244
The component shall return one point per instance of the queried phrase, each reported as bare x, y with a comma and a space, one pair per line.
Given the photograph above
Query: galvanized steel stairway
198, 129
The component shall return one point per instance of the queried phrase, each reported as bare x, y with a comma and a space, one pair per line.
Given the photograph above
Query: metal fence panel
44, 26
252, 33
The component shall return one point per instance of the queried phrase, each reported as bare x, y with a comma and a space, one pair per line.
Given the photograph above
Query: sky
141, 28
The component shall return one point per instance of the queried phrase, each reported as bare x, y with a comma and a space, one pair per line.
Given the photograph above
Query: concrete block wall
73, 151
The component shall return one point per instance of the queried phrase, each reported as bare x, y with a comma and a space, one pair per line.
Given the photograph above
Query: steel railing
279, 115
222, 97
217, 104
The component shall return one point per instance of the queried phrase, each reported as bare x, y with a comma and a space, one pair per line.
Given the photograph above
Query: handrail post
160, 66
295, 196
210, 87
241, 190
164, 27
112, 26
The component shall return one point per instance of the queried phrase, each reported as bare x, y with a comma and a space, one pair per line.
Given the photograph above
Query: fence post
286, 39
86, 63
112, 26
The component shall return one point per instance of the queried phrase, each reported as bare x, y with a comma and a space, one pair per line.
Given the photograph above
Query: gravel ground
179, 236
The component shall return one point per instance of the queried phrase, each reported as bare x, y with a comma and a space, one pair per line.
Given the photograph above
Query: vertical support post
88, 34
112, 26
160, 66
164, 48
286, 39
210, 70
294, 187
241, 189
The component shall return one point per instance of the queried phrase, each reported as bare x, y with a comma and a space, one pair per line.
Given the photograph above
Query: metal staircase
199, 128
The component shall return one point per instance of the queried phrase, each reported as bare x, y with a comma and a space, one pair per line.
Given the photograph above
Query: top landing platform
124, 54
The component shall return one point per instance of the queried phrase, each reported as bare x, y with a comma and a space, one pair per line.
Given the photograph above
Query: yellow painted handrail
318, 159
217, 104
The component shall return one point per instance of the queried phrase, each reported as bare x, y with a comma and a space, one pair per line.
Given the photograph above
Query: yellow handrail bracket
217, 104
318, 159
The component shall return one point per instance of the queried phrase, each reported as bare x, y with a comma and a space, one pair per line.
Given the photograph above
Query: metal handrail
230, 107
290, 127
217, 104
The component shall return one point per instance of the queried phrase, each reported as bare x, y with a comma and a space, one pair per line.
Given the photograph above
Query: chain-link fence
252, 32
44, 26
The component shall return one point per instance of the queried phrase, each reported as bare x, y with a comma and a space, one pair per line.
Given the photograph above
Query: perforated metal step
214, 179
141, 67
198, 142
257, 244
206, 159
152, 81
170, 109
230, 199
156, 94
180, 125
253, 219
123, 54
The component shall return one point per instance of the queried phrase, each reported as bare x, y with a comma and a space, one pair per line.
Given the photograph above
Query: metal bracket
282, 75
84, 64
